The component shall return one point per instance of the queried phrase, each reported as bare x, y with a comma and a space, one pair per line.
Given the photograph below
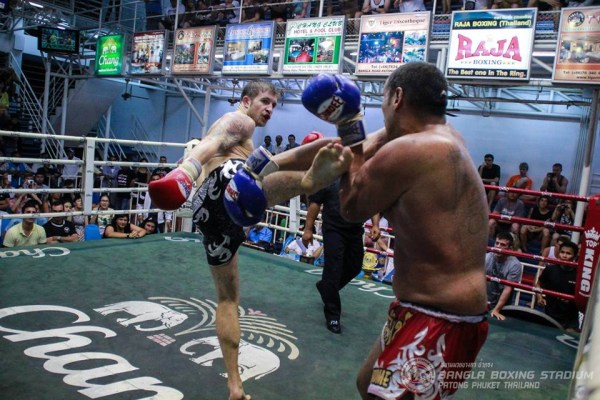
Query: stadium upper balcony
95, 17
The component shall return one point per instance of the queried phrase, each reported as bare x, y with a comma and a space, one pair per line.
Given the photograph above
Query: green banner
109, 55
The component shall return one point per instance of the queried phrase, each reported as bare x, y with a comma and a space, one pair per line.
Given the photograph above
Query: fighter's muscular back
437, 208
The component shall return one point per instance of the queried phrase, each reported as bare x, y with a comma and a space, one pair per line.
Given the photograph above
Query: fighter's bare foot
239, 396
330, 163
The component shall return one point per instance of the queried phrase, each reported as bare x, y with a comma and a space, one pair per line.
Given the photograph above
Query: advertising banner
578, 46
247, 48
389, 40
193, 52
147, 53
109, 55
313, 45
495, 44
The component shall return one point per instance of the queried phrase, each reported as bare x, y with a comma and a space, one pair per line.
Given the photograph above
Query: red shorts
426, 352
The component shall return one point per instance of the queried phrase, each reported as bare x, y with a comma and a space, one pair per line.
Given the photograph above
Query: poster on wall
247, 48
578, 46
193, 51
147, 53
389, 40
495, 44
313, 45
109, 55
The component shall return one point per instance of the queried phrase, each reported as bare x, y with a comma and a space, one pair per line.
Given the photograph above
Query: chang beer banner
109, 55
493, 44
313, 45
390, 40
577, 57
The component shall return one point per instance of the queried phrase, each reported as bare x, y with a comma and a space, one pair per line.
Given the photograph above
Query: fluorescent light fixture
544, 53
31, 3
218, 56
353, 53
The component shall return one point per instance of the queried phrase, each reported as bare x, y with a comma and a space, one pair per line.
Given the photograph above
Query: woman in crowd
102, 220
121, 228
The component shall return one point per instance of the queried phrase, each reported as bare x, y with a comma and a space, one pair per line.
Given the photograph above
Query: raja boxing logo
187, 321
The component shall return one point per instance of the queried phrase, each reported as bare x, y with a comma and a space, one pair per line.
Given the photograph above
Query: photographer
554, 182
22, 198
563, 214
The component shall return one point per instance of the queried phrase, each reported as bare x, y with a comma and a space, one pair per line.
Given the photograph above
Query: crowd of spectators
164, 14
43, 175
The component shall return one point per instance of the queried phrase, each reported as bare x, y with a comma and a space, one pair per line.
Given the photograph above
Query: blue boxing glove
336, 99
244, 198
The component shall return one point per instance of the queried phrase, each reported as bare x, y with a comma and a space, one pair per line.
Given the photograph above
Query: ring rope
538, 193
531, 288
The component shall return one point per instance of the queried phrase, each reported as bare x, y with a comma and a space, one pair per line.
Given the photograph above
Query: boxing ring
120, 319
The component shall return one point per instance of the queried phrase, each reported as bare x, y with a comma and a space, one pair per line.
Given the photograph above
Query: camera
29, 182
551, 174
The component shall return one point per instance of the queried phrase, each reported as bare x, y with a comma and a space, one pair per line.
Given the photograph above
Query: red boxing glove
312, 136
170, 192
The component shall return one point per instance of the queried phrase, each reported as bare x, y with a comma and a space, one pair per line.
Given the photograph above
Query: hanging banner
313, 45
389, 40
193, 51
577, 57
109, 55
247, 48
147, 53
495, 44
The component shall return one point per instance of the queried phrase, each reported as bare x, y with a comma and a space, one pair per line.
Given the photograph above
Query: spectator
268, 144
125, 178
142, 173
375, 7
80, 221
153, 14
260, 233
22, 198
560, 278
521, 181
506, 4
291, 142
58, 229
161, 170
70, 171
5, 198
476, 4
511, 206
279, 147
545, 5
110, 172
280, 10
554, 181
168, 22
253, 11
350, 8
490, 175
17, 170
69, 184
563, 214
262, 237
539, 213
404, 6
553, 250
232, 11
121, 228
4, 105
102, 220
299, 247
27, 233
149, 225
51, 173
301, 8
343, 246
504, 267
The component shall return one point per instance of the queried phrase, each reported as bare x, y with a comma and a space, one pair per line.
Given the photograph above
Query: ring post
88, 175
589, 254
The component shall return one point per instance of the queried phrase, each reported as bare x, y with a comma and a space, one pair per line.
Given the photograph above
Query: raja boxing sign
491, 44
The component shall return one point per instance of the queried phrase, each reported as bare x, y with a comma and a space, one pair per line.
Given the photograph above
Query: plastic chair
92, 232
